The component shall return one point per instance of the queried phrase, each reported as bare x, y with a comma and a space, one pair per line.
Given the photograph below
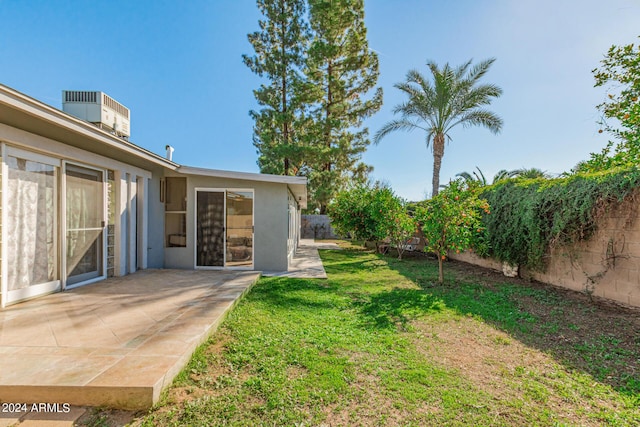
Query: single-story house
80, 203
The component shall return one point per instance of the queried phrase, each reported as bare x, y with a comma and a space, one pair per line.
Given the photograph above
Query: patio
115, 343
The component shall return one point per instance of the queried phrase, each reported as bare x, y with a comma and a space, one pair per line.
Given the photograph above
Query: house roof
23, 112
297, 184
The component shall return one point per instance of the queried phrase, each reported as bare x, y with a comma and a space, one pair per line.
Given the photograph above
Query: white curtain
30, 228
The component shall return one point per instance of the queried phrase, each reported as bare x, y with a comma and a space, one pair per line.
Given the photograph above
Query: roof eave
42, 111
297, 184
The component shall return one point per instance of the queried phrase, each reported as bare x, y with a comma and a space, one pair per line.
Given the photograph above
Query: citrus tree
373, 214
360, 213
450, 220
619, 73
399, 225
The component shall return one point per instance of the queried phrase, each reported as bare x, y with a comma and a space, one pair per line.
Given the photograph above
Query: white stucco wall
129, 182
155, 241
270, 220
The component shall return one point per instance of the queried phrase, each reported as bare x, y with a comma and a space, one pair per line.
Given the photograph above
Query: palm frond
480, 176
414, 76
465, 175
531, 173
478, 117
480, 95
503, 174
396, 125
477, 178
462, 70
480, 69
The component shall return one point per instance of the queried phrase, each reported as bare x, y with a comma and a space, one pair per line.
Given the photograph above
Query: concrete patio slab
116, 343
66, 417
306, 263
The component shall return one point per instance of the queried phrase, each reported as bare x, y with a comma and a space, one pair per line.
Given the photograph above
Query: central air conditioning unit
99, 109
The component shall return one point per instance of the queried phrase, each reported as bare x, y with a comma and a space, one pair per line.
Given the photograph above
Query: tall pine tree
279, 57
318, 75
340, 70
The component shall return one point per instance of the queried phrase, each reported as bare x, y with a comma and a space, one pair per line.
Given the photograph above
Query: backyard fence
317, 227
605, 265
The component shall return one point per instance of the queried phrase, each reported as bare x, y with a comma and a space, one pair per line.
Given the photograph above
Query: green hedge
528, 217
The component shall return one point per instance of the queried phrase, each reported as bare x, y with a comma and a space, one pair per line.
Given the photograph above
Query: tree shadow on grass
354, 263
396, 308
598, 338
296, 294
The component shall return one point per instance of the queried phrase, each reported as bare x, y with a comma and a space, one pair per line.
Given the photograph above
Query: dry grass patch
511, 372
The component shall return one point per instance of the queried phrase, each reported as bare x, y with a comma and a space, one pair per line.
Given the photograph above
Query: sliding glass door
224, 228
31, 227
85, 223
53, 224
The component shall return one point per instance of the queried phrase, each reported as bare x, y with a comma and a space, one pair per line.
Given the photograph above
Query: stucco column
132, 215
143, 221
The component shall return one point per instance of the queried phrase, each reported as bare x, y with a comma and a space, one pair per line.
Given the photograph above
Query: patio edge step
109, 388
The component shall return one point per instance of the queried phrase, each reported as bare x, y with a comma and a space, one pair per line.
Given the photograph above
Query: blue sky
177, 65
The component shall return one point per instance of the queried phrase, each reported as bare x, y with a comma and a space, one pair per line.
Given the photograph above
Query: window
175, 207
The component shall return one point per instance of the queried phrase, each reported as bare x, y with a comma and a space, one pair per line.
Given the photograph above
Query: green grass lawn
379, 344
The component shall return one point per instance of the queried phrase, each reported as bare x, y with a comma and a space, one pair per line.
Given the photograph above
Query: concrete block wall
607, 265
317, 227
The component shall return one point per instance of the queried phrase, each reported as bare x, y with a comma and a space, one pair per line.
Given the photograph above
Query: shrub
531, 216
451, 220
371, 214
401, 226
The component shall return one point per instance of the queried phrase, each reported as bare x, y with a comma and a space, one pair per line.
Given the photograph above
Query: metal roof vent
170, 151
99, 109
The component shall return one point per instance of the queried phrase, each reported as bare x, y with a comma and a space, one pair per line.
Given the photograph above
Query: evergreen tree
279, 57
340, 71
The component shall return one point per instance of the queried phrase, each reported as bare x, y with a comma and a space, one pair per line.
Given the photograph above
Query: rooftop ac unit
99, 109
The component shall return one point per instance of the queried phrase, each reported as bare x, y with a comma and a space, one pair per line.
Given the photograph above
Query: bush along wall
529, 217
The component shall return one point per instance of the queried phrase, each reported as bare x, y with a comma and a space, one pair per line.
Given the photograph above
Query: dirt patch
367, 406
499, 365
597, 336
107, 417
295, 372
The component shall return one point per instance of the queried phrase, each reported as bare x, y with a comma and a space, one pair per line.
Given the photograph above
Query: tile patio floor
119, 342
115, 343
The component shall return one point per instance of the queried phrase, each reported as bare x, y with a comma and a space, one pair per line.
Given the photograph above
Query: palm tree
478, 178
454, 97
473, 177
530, 173
503, 174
